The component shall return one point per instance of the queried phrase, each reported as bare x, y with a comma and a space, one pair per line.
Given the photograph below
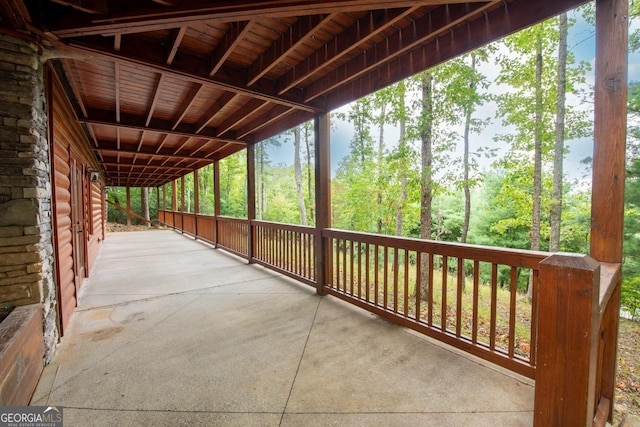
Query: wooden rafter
154, 101
175, 44
214, 109
187, 102
95, 7
273, 116
288, 42
437, 22
234, 35
139, 53
251, 107
448, 44
361, 31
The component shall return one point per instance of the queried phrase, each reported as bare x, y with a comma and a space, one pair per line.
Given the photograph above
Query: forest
475, 150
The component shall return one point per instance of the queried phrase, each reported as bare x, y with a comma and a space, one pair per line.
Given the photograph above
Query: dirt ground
628, 378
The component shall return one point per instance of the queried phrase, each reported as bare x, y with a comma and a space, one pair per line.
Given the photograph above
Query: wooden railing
233, 235
562, 333
288, 249
464, 295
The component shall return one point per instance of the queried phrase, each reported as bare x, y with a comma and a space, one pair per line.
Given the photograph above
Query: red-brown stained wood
567, 341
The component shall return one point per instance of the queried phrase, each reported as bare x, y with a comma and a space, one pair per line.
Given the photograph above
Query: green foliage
119, 195
233, 185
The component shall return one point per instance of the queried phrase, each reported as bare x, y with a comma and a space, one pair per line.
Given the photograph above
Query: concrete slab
169, 331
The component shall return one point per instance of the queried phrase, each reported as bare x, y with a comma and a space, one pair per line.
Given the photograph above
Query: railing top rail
231, 219
504, 256
282, 226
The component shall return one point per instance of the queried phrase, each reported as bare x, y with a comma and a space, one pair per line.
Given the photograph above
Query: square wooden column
610, 136
174, 195
323, 197
216, 199
251, 198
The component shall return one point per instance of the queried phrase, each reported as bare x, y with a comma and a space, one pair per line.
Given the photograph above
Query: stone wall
26, 249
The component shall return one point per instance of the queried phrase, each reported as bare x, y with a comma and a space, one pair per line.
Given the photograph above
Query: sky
581, 42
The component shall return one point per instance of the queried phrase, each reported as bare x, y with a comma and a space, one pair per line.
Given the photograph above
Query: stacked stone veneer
26, 247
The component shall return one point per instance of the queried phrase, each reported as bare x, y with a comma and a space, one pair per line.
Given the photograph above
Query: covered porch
172, 332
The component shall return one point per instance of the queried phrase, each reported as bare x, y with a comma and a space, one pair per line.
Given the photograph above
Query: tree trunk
467, 128
402, 159
537, 159
144, 204
307, 142
426, 178
380, 159
297, 166
128, 191
556, 198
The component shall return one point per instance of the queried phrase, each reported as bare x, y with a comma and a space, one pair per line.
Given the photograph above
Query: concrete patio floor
169, 331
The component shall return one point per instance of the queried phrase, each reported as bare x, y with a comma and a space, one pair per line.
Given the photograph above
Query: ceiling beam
154, 101
110, 148
141, 53
128, 121
138, 17
273, 116
361, 31
435, 23
152, 166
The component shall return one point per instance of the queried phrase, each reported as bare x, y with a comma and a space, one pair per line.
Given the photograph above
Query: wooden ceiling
163, 87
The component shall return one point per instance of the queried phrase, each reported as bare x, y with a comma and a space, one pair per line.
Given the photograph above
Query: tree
144, 203
555, 217
426, 174
298, 174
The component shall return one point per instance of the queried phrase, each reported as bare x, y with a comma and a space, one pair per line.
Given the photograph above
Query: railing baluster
445, 274
359, 270
386, 277
513, 288
476, 283
430, 282
396, 267
534, 318
406, 283
367, 272
351, 274
418, 282
494, 300
459, 297
376, 274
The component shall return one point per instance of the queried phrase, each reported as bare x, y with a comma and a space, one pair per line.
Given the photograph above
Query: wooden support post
196, 193
610, 130
182, 195
174, 195
216, 199
128, 191
323, 197
196, 202
610, 127
568, 339
251, 198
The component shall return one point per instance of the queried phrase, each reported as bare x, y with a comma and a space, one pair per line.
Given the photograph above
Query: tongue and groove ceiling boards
164, 87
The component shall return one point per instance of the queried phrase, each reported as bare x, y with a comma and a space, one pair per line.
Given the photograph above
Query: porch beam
322, 139
139, 123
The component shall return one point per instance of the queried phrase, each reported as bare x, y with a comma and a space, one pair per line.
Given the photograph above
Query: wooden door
77, 221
